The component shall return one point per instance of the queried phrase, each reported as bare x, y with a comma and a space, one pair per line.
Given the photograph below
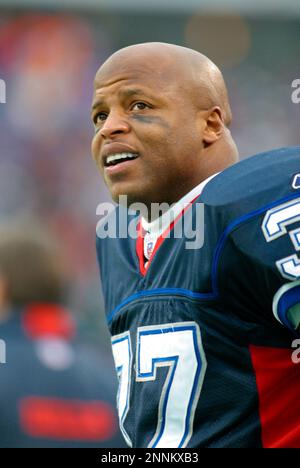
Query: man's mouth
117, 158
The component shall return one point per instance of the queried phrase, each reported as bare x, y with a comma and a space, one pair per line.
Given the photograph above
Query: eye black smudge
150, 120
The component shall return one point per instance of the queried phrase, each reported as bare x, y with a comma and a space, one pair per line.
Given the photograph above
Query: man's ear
214, 126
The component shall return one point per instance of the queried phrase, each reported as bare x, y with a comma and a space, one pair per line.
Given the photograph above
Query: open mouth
114, 159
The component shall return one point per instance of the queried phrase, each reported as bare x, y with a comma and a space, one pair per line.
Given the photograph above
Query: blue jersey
54, 392
202, 339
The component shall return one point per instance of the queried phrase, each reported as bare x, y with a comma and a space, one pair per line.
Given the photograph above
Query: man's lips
119, 158
114, 154
119, 167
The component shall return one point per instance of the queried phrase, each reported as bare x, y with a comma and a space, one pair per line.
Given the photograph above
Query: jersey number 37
177, 346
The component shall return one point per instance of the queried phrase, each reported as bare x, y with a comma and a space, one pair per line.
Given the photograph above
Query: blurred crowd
46, 172
48, 61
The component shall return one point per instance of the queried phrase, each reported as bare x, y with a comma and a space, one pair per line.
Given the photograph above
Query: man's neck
159, 220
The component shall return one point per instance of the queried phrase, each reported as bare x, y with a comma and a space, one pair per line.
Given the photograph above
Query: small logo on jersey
296, 182
149, 249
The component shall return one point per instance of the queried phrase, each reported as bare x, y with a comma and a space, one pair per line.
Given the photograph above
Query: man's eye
139, 106
100, 117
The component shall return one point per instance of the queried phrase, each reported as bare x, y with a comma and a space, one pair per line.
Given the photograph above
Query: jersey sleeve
282, 223
257, 257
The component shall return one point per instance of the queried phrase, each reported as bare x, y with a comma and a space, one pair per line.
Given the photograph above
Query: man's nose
114, 124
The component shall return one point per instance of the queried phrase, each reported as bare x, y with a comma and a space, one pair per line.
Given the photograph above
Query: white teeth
119, 156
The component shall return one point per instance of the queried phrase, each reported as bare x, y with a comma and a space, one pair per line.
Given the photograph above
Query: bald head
190, 71
161, 117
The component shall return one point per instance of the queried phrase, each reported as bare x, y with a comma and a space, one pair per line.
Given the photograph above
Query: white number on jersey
177, 346
121, 347
275, 225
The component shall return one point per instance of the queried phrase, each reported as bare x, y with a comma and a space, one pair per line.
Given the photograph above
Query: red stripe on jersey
278, 384
59, 419
44, 320
140, 248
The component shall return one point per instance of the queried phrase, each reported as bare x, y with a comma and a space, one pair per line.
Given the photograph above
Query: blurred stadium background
49, 53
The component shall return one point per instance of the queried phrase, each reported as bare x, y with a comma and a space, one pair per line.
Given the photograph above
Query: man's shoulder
255, 182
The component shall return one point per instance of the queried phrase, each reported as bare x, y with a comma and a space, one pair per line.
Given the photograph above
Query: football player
201, 333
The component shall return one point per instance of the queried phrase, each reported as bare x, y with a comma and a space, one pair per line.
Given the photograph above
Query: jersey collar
159, 225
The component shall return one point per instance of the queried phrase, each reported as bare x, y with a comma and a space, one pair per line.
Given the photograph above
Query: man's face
148, 134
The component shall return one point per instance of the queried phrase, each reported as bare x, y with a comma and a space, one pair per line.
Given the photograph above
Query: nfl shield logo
149, 248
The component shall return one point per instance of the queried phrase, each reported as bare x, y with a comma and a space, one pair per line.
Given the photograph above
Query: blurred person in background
54, 392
